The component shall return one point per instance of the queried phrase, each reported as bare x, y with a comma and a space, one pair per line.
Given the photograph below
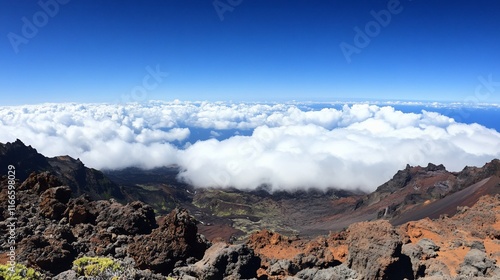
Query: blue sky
103, 51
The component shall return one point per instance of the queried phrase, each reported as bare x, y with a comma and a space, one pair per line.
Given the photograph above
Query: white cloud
358, 146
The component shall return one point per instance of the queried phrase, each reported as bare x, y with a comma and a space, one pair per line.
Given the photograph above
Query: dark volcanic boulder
51, 251
40, 182
82, 210
171, 244
375, 251
53, 202
134, 218
223, 261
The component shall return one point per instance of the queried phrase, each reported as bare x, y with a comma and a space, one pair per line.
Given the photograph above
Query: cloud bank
357, 146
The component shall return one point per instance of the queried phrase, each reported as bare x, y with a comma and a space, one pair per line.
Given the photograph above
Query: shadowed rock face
170, 245
375, 251
24, 158
54, 229
70, 172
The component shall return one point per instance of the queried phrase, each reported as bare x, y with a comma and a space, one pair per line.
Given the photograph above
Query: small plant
96, 266
21, 272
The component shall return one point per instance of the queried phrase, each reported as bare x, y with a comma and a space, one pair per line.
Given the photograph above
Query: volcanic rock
133, 218
40, 182
53, 202
24, 158
171, 244
223, 261
375, 251
476, 263
341, 272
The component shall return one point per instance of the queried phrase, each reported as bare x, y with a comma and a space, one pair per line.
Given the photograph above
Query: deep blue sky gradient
98, 51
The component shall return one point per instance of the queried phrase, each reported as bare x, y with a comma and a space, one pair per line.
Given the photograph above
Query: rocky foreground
65, 237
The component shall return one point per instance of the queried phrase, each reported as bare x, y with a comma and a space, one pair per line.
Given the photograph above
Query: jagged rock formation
24, 158
174, 243
375, 251
55, 229
71, 172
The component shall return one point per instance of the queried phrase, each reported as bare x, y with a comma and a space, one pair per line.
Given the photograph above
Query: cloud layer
358, 146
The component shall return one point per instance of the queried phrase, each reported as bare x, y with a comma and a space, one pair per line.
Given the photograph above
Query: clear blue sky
263, 50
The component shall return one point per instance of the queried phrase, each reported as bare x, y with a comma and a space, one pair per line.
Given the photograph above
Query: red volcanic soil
219, 232
454, 236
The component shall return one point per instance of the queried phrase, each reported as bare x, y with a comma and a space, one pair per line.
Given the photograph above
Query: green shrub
21, 272
96, 266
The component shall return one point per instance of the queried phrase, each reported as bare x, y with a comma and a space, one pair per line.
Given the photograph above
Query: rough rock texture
133, 218
71, 172
53, 202
54, 229
171, 244
341, 272
421, 256
25, 158
476, 263
284, 256
375, 251
223, 261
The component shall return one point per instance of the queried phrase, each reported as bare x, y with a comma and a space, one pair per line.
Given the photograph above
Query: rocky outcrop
174, 243
71, 172
53, 202
341, 272
477, 263
54, 229
375, 251
223, 261
25, 158
422, 256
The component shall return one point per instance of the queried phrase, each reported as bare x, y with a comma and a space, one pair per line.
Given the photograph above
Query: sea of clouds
358, 146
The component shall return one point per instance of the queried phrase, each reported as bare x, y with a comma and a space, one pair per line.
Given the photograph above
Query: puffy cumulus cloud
357, 146
102, 136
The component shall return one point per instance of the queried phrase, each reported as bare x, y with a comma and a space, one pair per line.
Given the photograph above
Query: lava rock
375, 251
341, 272
173, 242
476, 263
53, 202
223, 261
